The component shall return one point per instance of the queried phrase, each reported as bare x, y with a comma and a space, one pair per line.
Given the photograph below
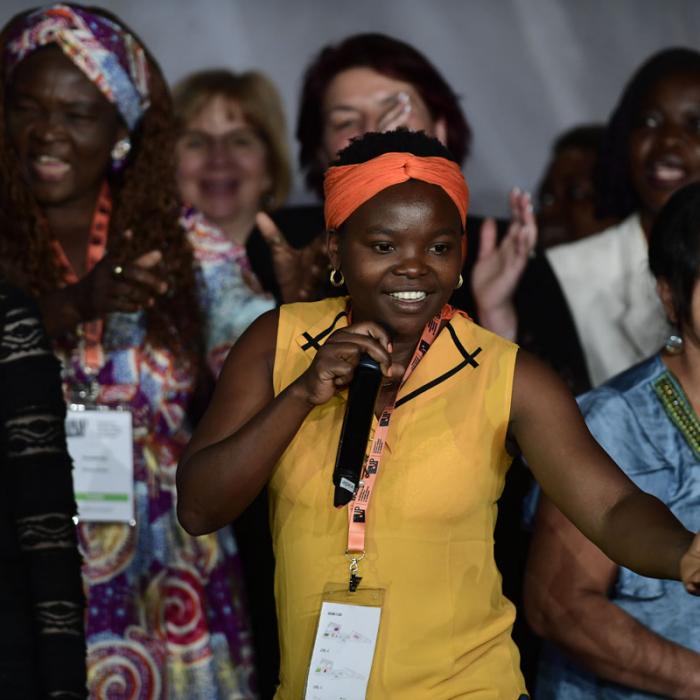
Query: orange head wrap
348, 187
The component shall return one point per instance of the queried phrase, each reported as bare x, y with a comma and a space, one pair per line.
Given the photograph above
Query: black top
42, 645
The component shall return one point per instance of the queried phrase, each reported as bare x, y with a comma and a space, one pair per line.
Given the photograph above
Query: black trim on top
312, 342
468, 360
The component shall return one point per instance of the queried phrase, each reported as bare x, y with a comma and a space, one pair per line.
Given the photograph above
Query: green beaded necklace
679, 410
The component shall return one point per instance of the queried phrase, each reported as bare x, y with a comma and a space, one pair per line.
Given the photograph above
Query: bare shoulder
536, 387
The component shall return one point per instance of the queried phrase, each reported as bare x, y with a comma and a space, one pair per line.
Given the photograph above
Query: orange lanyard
92, 354
357, 508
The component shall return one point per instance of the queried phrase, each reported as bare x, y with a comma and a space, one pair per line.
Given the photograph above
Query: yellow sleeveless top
445, 625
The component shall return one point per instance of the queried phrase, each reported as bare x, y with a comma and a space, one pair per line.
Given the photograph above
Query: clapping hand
300, 273
125, 286
499, 267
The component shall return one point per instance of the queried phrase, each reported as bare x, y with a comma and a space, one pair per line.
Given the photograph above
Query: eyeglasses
237, 143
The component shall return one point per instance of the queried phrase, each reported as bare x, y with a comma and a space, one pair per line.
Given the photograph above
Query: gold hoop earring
335, 281
460, 282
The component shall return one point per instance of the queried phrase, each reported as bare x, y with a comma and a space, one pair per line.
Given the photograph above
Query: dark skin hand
63, 129
300, 273
102, 291
406, 238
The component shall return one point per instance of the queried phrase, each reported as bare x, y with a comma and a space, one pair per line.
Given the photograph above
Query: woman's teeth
667, 173
50, 167
408, 296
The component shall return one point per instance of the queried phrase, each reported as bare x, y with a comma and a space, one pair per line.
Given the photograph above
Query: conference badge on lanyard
99, 439
348, 626
346, 637
100, 443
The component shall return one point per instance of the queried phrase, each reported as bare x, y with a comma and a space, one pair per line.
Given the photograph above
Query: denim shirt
636, 417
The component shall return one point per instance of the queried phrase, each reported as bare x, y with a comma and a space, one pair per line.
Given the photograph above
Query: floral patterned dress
229, 305
165, 611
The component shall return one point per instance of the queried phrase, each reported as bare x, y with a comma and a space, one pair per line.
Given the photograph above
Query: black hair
616, 194
374, 144
674, 249
587, 137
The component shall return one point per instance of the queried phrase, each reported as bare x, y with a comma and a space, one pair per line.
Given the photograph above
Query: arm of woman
38, 471
633, 528
241, 436
246, 428
566, 601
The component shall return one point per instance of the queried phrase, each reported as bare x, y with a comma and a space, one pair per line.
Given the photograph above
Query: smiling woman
232, 162
456, 403
650, 150
88, 189
47, 92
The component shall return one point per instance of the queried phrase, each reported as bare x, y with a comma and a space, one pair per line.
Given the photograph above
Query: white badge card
100, 443
346, 637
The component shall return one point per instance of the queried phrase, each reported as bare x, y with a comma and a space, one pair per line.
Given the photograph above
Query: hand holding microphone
359, 352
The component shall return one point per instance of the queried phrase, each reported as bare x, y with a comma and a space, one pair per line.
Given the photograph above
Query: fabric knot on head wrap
347, 187
108, 55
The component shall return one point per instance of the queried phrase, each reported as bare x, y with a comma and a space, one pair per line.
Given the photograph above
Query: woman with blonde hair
232, 162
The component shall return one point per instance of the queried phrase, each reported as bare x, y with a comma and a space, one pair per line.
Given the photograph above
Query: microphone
362, 395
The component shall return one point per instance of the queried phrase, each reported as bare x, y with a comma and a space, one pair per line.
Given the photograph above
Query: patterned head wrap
347, 187
107, 54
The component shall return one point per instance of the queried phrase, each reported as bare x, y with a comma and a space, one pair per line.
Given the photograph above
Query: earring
674, 345
120, 151
335, 280
460, 282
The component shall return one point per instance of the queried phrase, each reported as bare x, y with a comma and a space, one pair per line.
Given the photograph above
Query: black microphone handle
362, 395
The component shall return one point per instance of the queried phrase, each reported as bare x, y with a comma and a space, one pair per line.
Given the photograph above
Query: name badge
101, 446
346, 637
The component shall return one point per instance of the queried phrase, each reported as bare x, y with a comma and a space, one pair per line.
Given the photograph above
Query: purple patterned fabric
165, 613
109, 56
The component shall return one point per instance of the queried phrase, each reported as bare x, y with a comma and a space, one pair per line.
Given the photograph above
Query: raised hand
690, 567
397, 114
300, 273
334, 365
121, 286
499, 267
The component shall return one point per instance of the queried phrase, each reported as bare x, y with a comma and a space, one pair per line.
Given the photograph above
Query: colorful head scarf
108, 55
347, 187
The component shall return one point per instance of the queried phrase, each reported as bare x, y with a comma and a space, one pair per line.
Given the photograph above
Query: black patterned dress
42, 644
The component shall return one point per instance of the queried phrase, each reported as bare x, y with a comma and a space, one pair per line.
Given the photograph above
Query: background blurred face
61, 127
664, 145
567, 198
359, 100
222, 163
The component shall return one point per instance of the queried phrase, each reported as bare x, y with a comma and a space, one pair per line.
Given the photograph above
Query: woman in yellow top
455, 404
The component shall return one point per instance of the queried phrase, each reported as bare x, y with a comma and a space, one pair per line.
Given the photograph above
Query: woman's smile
49, 168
